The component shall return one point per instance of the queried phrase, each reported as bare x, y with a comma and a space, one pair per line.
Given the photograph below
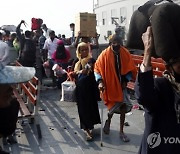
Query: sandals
124, 138
106, 128
89, 136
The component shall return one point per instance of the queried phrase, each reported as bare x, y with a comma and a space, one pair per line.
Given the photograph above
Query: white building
111, 12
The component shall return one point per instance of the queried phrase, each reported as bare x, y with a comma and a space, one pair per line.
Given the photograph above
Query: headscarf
82, 61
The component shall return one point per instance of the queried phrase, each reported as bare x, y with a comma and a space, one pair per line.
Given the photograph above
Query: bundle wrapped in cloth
165, 22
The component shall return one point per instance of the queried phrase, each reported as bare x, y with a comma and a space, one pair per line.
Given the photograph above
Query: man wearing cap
160, 98
9, 106
113, 69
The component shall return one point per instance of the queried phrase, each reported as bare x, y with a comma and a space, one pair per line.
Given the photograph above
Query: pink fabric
60, 42
68, 56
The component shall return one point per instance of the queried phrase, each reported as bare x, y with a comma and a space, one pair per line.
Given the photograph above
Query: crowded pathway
61, 133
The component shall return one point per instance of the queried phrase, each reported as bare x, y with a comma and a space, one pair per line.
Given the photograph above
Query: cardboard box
86, 24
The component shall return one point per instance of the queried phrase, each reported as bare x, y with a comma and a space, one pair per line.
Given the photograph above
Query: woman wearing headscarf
61, 57
87, 93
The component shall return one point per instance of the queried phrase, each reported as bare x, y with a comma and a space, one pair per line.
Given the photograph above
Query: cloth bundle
165, 22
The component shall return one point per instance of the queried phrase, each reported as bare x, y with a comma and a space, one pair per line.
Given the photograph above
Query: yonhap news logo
155, 139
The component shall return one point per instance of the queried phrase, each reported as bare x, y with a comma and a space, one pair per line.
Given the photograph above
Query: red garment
68, 56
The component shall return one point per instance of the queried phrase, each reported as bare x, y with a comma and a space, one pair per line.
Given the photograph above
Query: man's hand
79, 34
22, 21
147, 39
101, 86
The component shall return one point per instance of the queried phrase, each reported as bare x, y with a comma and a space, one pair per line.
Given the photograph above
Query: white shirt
4, 53
50, 46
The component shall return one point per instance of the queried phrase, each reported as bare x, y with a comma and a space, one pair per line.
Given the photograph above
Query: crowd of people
105, 78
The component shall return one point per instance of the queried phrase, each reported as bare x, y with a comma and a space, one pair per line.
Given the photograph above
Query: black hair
7, 32
28, 33
51, 32
115, 38
61, 52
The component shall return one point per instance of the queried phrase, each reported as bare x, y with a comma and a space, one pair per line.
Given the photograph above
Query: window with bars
123, 15
113, 15
104, 18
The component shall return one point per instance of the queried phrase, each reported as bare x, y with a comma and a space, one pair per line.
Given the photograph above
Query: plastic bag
58, 70
68, 91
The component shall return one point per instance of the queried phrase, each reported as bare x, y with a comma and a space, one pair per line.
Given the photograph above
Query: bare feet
106, 128
124, 138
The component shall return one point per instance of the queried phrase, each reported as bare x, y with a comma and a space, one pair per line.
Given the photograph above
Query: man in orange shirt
113, 69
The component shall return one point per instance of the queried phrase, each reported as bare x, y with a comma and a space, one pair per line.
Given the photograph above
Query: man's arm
96, 40
77, 40
144, 85
45, 51
18, 31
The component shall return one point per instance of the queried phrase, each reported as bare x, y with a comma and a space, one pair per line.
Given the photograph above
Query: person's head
117, 30
59, 36
85, 39
44, 27
173, 66
63, 36
12, 36
28, 34
60, 46
115, 42
7, 35
82, 50
52, 34
38, 33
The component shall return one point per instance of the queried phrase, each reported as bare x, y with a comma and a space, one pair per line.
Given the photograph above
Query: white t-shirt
50, 46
